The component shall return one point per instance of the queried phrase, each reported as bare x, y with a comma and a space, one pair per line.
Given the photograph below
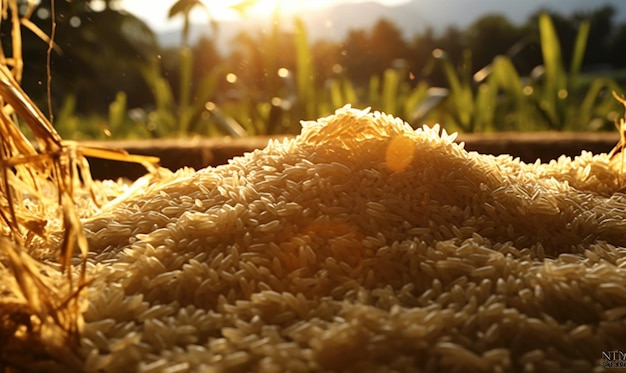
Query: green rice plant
292, 95
497, 98
341, 91
501, 102
597, 109
560, 100
461, 92
422, 102
305, 72
191, 113
473, 104
118, 124
118, 113
66, 123
394, 95
550, 94
390, 91
187, 116
468, 108
186, 79
162, 119
168, 117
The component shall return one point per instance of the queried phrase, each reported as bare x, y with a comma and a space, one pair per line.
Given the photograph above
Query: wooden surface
203, 152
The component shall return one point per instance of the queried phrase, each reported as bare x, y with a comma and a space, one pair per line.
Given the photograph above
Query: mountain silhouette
333, 23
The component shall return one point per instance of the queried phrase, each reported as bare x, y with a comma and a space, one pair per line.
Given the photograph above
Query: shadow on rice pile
360, 245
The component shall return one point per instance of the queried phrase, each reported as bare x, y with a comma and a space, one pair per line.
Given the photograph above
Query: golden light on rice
360, 245
400, 153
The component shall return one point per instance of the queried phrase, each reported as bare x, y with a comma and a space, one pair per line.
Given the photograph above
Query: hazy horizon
156, 14
444, 13
412, 17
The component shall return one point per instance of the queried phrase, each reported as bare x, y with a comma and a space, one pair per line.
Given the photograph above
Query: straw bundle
45, 188
360, 245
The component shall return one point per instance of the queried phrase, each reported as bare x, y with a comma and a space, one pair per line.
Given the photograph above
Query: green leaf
504, 77
374, 92
336, 96
585, 112
305, 70
205, 90
117, 113
351, 96
551, 52
579, 49
422, 101
186, 76
391, 81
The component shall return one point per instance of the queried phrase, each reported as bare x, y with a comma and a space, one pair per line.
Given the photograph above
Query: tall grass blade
117, 113
351, 96
551, 52
206, 89
186, 76
305, 71
391, 82
460, 100
374, 96
579, 49
226, 123
593, 100
422, 101
505, 78
554, 79
336, 95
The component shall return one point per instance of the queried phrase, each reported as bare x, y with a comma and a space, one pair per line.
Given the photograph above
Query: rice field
361, 245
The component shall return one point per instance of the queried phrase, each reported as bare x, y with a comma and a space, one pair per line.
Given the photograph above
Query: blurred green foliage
494, 76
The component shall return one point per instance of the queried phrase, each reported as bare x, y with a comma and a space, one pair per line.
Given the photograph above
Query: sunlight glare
266, 7
223, 10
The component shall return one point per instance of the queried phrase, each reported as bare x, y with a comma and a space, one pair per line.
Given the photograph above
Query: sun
264, 7
233, 9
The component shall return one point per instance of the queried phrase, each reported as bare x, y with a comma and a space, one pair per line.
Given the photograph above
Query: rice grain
360, 245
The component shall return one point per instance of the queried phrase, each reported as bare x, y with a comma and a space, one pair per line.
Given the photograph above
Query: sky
154, 12
436, 14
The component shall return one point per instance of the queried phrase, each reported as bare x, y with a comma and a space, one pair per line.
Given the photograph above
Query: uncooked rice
333, 252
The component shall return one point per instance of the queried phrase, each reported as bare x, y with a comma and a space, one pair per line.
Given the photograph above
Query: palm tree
184, 8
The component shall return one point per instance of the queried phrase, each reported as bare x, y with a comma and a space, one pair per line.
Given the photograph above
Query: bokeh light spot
283, 72
231, 78
400, 153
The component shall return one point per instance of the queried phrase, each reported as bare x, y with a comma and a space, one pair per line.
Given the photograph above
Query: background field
111, 77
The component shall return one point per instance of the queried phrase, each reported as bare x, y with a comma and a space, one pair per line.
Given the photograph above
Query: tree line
366, 52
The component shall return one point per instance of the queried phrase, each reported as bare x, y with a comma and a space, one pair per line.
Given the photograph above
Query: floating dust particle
400, 153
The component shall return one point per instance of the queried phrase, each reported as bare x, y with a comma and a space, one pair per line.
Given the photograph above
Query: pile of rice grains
361, 245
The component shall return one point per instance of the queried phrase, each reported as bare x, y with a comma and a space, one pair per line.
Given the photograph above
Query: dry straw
43, 183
